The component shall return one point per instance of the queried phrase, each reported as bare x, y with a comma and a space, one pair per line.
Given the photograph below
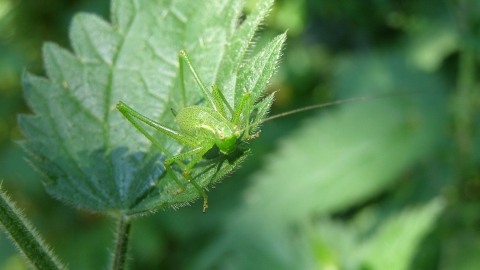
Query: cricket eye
221, 136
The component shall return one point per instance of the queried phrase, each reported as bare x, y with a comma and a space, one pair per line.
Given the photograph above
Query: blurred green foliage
390, 183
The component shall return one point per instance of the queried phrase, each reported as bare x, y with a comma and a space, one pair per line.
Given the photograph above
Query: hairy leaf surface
87, 151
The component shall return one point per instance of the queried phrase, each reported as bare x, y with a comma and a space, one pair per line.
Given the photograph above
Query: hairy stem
121, 245
22, 234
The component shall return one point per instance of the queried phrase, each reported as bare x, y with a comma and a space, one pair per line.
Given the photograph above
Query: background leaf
395, 243
345, 156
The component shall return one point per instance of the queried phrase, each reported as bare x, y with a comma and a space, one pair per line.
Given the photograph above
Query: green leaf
89, 155
255, 74
397, 240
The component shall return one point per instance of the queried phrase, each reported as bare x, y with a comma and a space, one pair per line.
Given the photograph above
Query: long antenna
317, 106
337, 102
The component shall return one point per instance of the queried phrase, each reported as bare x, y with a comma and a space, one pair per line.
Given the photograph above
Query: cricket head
226, 139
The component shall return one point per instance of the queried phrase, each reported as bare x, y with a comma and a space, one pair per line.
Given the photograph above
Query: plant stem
465, 100
466, 95
22, 234
121, 245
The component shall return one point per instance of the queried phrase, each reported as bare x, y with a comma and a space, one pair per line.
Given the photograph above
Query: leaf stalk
121, 244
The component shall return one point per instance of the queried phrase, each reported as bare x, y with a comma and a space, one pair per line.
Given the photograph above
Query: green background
335, 50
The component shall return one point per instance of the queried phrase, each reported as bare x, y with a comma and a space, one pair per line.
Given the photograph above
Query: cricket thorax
209, 125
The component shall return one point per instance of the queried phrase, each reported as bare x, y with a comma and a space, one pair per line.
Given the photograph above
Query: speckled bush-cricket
200, 127
203, 127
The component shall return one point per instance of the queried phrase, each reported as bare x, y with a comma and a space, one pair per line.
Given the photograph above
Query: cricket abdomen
199, 121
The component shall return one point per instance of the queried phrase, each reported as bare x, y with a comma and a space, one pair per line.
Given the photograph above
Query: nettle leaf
88, 153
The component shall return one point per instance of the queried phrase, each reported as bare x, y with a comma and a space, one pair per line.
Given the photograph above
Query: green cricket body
200, 127
209, 127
